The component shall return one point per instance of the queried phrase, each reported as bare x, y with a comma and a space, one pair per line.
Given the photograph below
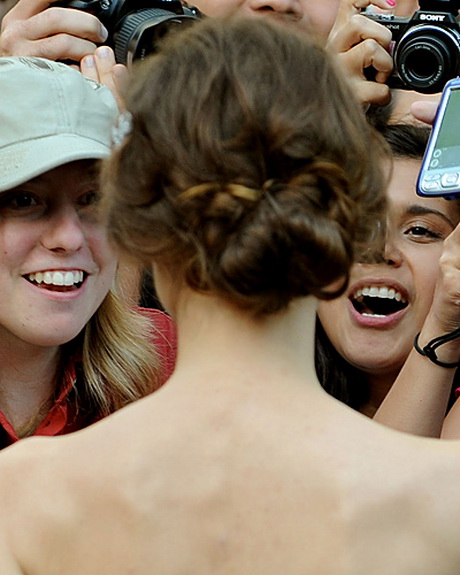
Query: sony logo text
433, 17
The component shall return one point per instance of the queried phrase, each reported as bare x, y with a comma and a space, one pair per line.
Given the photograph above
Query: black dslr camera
426, 47
136, 26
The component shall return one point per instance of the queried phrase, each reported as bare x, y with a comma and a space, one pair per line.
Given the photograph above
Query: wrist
442, 350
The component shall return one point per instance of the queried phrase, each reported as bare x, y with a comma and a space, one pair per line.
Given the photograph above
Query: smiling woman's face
374, 324
56, 263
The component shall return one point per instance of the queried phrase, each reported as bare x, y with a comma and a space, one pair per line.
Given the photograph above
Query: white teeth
69, 279
380, 292
57, 278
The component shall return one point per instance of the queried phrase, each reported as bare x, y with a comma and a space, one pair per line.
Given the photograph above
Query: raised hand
37, 28
102, 68
361, 43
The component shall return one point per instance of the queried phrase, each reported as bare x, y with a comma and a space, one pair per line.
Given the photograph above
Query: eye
92, 198
17, 203
422, 232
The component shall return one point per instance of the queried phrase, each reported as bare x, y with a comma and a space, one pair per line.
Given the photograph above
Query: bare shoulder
8, 563
23, 481
47, 490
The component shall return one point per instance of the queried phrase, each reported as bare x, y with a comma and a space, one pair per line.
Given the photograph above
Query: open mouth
67, 280
378, 301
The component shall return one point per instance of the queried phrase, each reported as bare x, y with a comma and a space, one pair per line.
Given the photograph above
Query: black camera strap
429, 350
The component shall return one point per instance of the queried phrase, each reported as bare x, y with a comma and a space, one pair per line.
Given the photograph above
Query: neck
379, 386
216, 337
27, 384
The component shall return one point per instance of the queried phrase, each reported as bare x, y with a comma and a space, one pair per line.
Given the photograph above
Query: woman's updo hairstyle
249, 170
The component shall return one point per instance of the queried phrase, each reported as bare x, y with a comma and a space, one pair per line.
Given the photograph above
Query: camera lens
427, 57
140, 32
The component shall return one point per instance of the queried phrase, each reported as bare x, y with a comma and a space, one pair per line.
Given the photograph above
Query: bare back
226, 484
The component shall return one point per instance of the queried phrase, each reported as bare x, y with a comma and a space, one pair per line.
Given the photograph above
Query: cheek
330, 314
16, 242
424, 277
321, 14
104, 255
217, 8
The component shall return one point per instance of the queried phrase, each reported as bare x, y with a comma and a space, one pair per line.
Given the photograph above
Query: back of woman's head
249, 168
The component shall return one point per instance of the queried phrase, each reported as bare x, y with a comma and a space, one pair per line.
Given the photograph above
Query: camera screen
447, 151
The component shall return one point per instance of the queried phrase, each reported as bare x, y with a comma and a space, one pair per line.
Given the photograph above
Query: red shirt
63, 417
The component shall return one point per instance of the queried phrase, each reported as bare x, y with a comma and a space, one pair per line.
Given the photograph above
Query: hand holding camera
426, 47
136, 26
361, 43
34, 28
69, 30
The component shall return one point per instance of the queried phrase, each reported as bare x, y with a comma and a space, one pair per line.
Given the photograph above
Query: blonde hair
119, 363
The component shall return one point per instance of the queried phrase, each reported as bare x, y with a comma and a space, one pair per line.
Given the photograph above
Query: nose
285, 8
63, 231
392, 255
382, 250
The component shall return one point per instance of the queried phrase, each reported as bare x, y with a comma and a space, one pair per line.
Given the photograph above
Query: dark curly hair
250, 168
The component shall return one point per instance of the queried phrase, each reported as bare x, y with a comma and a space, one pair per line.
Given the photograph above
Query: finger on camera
24, 9
372, 54
66, 21
348, 8
359, 28
18, 36
372, 93
367, 54
58, 47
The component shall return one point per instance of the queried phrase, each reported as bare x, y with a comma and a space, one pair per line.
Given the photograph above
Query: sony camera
426, 47
136, 26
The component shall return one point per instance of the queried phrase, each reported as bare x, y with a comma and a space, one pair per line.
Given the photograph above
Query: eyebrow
419, 210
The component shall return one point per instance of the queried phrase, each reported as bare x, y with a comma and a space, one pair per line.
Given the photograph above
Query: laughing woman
365, 352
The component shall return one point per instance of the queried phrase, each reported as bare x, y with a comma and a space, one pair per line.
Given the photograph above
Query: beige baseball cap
50, 114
